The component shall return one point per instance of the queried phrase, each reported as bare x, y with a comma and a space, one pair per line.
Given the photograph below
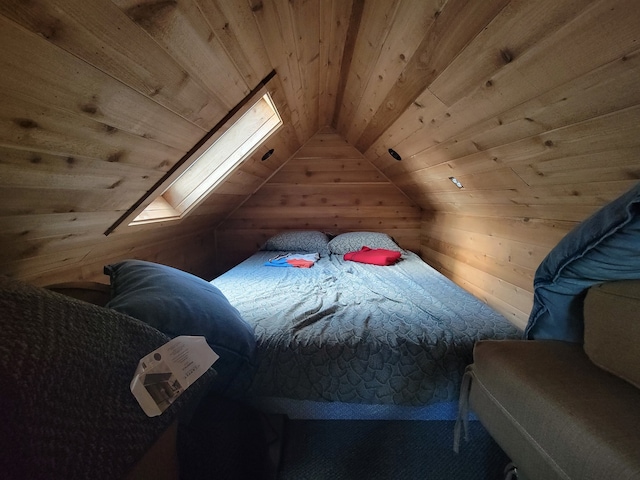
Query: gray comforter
357, 333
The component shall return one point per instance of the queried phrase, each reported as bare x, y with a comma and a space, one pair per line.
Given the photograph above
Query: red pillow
376, 256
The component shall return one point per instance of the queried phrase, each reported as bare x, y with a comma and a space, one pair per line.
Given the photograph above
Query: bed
352, 333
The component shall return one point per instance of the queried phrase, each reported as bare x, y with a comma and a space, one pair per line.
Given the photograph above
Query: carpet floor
387, 449
225, 440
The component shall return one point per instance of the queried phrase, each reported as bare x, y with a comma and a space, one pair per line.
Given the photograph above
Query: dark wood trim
347, 55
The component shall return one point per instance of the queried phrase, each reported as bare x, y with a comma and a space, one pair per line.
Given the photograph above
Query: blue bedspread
357, 333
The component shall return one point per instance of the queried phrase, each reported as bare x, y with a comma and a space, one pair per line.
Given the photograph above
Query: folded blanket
299, 260
299, 263
374, 256
278, 261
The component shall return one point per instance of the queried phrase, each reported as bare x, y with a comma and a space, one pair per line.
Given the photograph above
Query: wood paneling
327, 185
457, 23
538, 117
494, 258
534, 106
102, 36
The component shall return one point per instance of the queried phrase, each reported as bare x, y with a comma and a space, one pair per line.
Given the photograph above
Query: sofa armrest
555, 413
612, 328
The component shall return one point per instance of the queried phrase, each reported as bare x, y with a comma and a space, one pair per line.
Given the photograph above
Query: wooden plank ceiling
533, 106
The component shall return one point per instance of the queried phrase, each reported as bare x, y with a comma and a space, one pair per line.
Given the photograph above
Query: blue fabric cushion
605, 247
178, 303
298, 241
354, 241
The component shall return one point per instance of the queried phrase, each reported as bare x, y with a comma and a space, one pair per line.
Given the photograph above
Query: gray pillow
298, 241
354, 241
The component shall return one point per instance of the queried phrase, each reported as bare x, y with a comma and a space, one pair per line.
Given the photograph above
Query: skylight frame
260, 93
213, 163
262, 119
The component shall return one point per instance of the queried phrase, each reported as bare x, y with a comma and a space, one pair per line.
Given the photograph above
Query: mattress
343, 331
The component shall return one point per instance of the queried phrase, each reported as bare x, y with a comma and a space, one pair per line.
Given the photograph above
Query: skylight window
212, 163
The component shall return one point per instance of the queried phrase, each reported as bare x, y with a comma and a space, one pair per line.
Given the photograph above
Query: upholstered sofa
564, 410
67, 361
564, 402
66, 410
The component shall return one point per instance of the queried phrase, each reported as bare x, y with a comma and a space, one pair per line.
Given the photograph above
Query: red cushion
376, 256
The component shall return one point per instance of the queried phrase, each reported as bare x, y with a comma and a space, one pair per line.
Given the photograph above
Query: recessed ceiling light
267, 155
456, 182
395, 154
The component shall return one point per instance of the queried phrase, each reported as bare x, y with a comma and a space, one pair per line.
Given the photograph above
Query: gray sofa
565, 410
66, 409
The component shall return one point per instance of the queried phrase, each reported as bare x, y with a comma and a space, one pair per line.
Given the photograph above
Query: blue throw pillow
178, 303
605, 247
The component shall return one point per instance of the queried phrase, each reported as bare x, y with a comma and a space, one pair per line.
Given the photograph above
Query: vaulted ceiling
101, 98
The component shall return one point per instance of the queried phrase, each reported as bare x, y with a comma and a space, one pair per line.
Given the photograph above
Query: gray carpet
387, 449
229, 441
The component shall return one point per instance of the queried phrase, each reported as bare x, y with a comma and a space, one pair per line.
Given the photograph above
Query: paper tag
164, 374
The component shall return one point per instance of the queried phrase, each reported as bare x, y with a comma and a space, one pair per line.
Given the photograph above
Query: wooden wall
539, 117
58, 201
99, 100
533, 105
327, 185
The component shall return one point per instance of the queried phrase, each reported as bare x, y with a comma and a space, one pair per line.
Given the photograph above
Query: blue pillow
178, 303
605, 247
